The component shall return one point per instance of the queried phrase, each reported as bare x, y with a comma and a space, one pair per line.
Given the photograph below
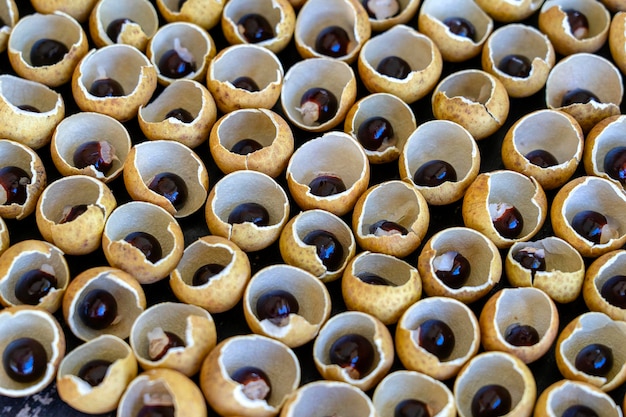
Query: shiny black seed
47, 52
352, 351
461, 27
317, 105
249, 213
394, 66
385, 227
94, 371
71, 213
115, 28
436, 337
508, 221
28, 107
541, 158
515, 65
374, 132
255, 28
170, 186
99, 154
615, 164
106, 87
491, 401
98, 309
434, 173
531, 259
329, 250
156, 411
180, 114
172, 65
589, 225
24, 360
326, 185
205, 273
521, 335
373, 279
246, 146
245, 83
276, 306
458, 274
614, 291
14, 181
147, 244
579, 411
594, 359
33, 285
411, 408
332, 41
578, 95
578, 23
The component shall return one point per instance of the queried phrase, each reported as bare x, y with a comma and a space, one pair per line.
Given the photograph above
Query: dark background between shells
48, 403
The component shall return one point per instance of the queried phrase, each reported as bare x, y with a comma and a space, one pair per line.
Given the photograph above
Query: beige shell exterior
10, 15
365, 325
223, 291
461, 320
407, 11
279, 13
396, 201
526, 41
565, 269
124, 287
509, 187
592, 327
510, 10
167, 384
15, 154
524, 306
226, 396
475, 99
617, 38
29, 128
204, 13
328, 397
420, 52
311, 294
577, 195
192, 324
482, 253
496, 368
28, 321
560, 395
600, 270
441, 140
603, 137
142, 13
146, 217
295, 252
82, 235
553, 131
385, 302
5, 239
263, 125
614, 5
129, 67
57, 25
104, 397
78, 9
28, 255
553, 22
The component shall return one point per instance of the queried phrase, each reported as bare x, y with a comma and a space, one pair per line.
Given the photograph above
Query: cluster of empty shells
535, 232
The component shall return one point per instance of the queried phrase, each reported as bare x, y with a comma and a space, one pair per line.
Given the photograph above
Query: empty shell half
132, 22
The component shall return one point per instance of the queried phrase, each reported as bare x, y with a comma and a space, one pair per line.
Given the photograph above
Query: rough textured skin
601, 268
205, 14
586, 393
505, 11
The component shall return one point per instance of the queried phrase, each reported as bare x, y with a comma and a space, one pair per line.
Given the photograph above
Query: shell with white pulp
400, 385
204, 13
395, 111
441, 140
526, 41
30, 128
565, 269
192, 324
297, 253
336, 154
58, 26
190, 41
21, 321
510, 10
395, 201
143, 24
15, 154
354, 322
496, 368
126, 65
590, 72
599, 272
310, 293
279, 14
329, 398
137, 216
602, 138
316, 15
454, 48
461, 321
550, 130
388, 13
84, 127
482, 254
151, 158
335, 76
588, 328
10, 15
25, 256
243, 187
419, 51
558, 397
245, 60
104, 397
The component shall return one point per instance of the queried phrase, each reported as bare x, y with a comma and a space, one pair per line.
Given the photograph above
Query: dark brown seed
205, 273
147, 244
394, 66
373, 279
180, 114
70, 213
491, 401
461, 27
386, 228
329, 249
246, 146
436, 337
170, 186
411, 408
276, 306
28, 107
615, 164
579, 411
106, 87
249, 213
13, 181
541, 158
531, 258
452, 268
578, 95
354, 352
100, 154
589, 224
177, 62
332, 41
326, 185
255, 28
94, 371
614, 291
507, 220
256, 383
595, 359
375, 132
98, 309
115, 28
515, 65
160, 342
578, 23
157, 411
24, 360
33, 285
245, 83
434, 173
521, 335
317, 105
46, 52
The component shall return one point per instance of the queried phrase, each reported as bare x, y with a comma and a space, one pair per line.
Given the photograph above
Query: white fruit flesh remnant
383, 9
157, 399
182, 52
496, 210
609, 231
256, 389
382, 232
310, 113
157, 342
445, 261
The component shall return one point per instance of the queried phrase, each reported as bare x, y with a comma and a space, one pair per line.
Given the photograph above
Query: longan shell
506, 11
561, 394
5, 239
205, 14
617, 39
605, 266
78, 9
11, 16
599, 140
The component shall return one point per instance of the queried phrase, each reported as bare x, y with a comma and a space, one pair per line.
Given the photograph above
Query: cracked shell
559, 396
143, 24
589, 193
603, 137
395, 201
240, 187
592, 327
33, 129
192, 324
486, 264
126, 290
295, 252
565, 269
145, 217
224, 290
510, 10
21, 321
162, 387
598, 273
205, 14
330, 398
523, 306
58, 26
83, 234
128, 66
104, 397
475, 99
10, 15
310, 293
15, 154
25, 256
418, 50
457, 316
227, 396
